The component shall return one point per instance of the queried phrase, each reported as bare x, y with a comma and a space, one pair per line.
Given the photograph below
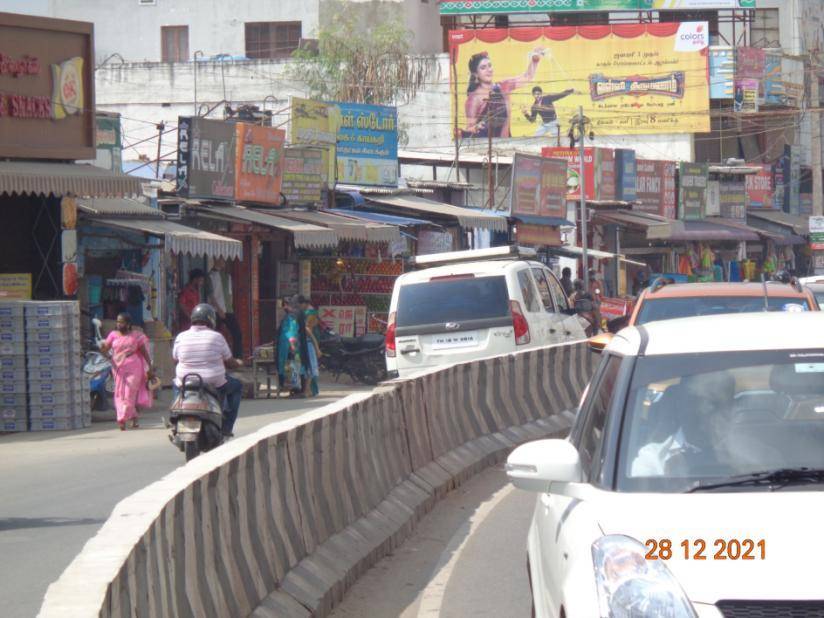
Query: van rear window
452, 300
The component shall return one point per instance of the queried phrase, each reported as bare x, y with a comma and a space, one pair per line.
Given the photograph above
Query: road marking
431, 598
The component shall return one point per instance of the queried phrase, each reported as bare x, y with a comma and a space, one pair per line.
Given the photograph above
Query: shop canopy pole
582, 186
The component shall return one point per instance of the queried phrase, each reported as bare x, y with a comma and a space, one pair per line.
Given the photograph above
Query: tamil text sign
314, 123
46, 88
655, 187
630, 79
367, 144
692, 199
817, 233
206, 158
303, 175
538, 187
258, 163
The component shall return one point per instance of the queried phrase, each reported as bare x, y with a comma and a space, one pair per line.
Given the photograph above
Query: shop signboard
430, 241
817, 233
15, 286
206, 158
347, 321
722, 72
655, 187
713, 208
531, 235
367, 144
760, 188
625, 175
745, 99
599, 171
109, 142
781, 176
733, 199
315, 123
303, 177
692, 198
258, 163
654, 74
46, 88
487, 7
749, 62
538, 187
772, 86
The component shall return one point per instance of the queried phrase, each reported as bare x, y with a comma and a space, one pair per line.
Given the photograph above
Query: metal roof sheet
466, 217
117, 206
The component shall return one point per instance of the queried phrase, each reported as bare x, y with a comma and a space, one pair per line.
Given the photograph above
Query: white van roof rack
511, 252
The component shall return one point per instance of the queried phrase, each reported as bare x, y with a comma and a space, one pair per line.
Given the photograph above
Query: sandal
122, 426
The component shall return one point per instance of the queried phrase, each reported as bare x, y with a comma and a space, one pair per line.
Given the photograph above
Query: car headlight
630, 586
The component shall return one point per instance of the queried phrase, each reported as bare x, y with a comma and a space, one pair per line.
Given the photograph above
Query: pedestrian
132, 368
312, 321
189, 298
585, 307
219, 295
293, 353
566, 281
202, 350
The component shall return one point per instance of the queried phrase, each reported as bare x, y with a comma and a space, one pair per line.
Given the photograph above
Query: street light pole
582, 188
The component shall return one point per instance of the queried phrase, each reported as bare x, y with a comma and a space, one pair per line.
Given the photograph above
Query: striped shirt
202, 351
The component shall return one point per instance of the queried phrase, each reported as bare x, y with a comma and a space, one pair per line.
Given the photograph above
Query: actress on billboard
487, 99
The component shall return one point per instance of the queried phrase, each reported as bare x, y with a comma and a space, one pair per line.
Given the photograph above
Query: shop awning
704, 229
378, 217
630, 218
117, 207
345, 227
40, 178
467, 217
578, 252
179, 238
551, 221
306, 235
795, 223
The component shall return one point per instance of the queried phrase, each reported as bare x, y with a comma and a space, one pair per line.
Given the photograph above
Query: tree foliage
363, 66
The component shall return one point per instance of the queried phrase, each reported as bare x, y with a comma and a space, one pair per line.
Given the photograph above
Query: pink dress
130, 388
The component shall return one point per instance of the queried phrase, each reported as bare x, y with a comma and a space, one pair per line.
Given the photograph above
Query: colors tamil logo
602, 87
67, 88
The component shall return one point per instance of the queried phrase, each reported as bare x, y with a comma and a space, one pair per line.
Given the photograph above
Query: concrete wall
282, 522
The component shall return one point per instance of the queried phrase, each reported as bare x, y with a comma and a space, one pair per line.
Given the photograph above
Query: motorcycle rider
204, 351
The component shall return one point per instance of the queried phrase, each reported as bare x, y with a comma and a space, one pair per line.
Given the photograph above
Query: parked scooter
361, 358
98, 368
196, 417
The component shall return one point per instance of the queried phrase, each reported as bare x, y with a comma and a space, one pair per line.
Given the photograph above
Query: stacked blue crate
13, 388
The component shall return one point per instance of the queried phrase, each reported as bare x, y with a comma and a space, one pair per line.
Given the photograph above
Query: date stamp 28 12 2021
700, 549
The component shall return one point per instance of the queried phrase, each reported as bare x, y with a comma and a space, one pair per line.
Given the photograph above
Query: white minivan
474, 304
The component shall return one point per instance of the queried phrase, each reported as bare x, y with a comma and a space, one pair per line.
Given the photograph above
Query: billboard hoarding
47, 97
367, 144
483, 7
636, 79
303, 177
314, 123
722, 72
655, 187
258, 163
206, 158
531, 235
745, 99
599, 171
692, 198
538, 187
760, 188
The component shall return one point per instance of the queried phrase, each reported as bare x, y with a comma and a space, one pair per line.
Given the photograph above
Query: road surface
466, 558
57, 488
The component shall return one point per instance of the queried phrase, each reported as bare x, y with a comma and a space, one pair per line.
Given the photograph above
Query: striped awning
346, 228
467, 217
40, 178
182, 239
305, 235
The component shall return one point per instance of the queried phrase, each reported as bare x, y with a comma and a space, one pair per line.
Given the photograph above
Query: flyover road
57, 488
466, 558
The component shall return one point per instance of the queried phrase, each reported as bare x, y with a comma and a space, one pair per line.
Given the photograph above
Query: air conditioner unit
147, 2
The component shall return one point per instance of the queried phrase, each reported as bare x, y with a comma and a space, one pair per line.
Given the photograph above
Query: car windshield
705, 418
452, 300
656, 309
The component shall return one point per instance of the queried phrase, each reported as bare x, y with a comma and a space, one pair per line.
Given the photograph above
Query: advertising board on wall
206, 158
303, 175
599, 171
722, 72
46, 88
539, 187
817, 233
258, 163
692, 198
314, 123
367, 144
640, 79
760, 188
625, 175
733, 199
655, 187
481, 7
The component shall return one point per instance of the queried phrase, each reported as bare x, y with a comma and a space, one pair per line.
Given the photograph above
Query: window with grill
272, 39
174, 43
765, 31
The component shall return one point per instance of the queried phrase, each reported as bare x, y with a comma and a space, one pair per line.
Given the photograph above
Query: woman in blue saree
293, 356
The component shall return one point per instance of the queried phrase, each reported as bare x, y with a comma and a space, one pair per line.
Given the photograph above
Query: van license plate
451, 341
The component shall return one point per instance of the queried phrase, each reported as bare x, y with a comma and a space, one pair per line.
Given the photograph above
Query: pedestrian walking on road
566, 281
312, 320
132, 367
293, 352
189, 298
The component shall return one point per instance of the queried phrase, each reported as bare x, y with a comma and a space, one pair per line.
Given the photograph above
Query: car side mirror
535, 465
600, 341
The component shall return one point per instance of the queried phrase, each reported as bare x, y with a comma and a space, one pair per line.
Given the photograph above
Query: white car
476, 304
691, 483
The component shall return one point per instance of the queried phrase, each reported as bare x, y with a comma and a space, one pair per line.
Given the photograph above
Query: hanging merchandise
717, 271
749, 270
685, 265
735, 271
770, 262
707, 257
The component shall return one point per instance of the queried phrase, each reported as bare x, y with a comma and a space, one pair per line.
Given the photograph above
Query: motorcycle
196, 417
361, 358
98, 369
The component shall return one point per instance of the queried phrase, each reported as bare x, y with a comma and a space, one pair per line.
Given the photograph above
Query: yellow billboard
629, 78
316, 124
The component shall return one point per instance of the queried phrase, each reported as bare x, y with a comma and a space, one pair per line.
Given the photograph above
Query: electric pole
489, 177
815, 138
580, 123
160, 128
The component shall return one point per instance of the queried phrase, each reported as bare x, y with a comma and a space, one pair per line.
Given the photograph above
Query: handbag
292, 374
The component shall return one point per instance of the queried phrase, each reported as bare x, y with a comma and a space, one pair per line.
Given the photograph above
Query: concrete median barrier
282, 522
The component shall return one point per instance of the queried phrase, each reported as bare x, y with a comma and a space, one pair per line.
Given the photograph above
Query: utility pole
582, 187
815, 139
160, 128
456, 130
489, 177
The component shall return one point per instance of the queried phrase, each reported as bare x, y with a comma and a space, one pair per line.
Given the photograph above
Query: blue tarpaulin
376, 217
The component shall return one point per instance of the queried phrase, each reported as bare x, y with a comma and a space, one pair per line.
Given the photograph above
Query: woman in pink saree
131, 364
